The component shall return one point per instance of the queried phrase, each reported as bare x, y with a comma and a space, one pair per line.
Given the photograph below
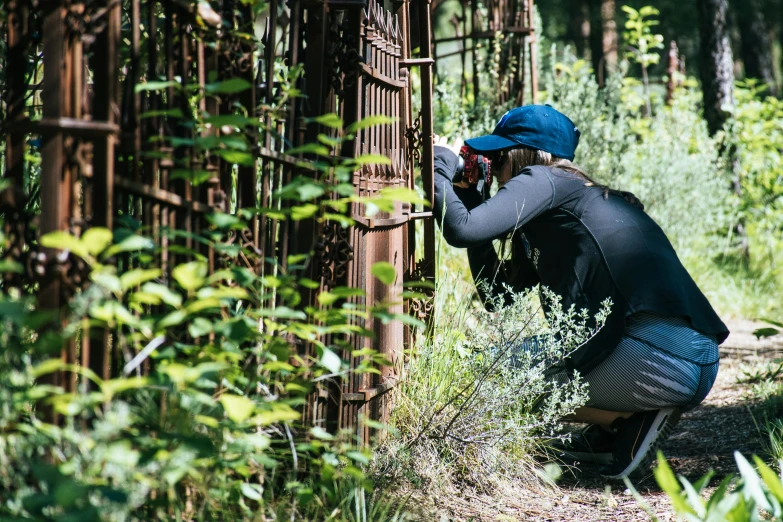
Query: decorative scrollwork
413, 134
249, 253
421, 307
342, 54
333, 252
87, 18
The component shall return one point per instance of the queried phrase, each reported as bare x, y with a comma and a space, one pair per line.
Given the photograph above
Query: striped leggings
659, 362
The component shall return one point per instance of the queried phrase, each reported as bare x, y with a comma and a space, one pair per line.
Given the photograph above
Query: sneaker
592, 444
637, 439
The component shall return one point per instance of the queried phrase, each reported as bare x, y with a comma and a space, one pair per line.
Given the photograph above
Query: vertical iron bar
105, 108
474, 30
55, 180
427, 159
18, 42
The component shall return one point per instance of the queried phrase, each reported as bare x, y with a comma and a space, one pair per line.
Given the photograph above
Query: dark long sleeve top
581, 245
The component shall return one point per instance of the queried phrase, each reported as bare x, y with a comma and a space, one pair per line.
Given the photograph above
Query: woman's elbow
456, 237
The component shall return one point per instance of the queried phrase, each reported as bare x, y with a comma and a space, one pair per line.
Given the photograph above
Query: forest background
203, 439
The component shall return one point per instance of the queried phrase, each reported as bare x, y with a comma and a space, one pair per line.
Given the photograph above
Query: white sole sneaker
643, 437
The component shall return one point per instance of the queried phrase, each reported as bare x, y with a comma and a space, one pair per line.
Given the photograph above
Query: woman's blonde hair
527, 157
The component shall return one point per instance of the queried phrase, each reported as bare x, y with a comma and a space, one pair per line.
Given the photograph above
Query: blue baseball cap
535, 126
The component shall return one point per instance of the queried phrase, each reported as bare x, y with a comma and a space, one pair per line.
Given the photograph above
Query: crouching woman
657, 354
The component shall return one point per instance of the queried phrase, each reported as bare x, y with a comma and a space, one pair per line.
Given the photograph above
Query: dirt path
705, 438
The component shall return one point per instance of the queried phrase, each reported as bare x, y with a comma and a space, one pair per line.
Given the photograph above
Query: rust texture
110, 151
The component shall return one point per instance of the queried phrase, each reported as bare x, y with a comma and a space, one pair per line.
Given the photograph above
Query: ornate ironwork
342, 54
333, 252
413, 133
421, 307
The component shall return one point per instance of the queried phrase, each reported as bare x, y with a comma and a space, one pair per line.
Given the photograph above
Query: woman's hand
443, 141
454, 146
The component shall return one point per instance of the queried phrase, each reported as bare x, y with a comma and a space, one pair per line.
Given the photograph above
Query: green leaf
278, 413
752, 485
115, 386
108, 281
770, 321
309, 148
155, 86
281, 312
717, 497
403, 195
173, 319
327, 298
330, 120
765, 332
310, 191
358, 457
202, 304
329, 141
348, 291
694, 499
138, 276
251, 491
300, 212
370, 121
200, 326
320, 433
166, 295
171, 113
234, 85
372, 159
331, 361
196, 176
190, 276
771, 479
97, 239
385, 272
48, 366
212, 422
237, 407
240, 158
130, 244
9, 266
64, 241
668, 483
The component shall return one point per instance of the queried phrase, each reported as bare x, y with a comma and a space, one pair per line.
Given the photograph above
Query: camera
475, 169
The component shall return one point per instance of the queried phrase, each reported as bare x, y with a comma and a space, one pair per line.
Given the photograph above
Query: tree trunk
603, 37
609, 36
717, 74
579, 29
756, 45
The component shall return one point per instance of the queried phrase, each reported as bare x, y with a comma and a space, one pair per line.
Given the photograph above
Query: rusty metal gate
100, 130
78, 92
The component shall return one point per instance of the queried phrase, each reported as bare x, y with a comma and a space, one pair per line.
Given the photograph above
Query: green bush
668, 161
471, 409
214, 430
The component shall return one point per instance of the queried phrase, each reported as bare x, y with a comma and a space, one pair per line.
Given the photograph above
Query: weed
761, 372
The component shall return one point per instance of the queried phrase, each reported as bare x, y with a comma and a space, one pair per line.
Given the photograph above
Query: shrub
471, 407
668, 161
214, 430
